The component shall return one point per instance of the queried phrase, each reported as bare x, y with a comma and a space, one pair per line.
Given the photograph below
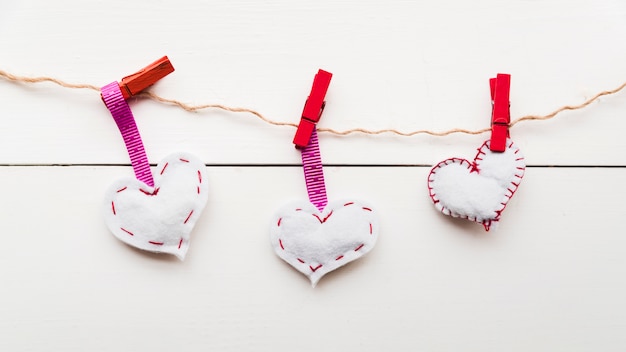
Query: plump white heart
160, 218
478, 190
317, 243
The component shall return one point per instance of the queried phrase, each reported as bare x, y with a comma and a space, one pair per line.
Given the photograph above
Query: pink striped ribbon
117, 105
314, 173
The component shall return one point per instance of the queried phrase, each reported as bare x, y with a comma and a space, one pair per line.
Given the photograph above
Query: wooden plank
398, 64
548, 279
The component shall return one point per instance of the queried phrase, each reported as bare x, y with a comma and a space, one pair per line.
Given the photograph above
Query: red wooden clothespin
133, 84
500, 114
313, 108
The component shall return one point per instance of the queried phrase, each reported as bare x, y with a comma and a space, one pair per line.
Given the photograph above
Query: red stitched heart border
480, 190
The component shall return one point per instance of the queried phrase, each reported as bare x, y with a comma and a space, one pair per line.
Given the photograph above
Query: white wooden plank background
550, 278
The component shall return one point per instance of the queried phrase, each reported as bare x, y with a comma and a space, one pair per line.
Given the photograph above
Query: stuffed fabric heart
317, 243
159, 218
478, 190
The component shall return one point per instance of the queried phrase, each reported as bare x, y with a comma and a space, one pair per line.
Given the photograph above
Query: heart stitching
317, 243
480, 190
160, 218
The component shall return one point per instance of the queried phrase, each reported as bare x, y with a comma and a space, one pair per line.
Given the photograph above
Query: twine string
192, 108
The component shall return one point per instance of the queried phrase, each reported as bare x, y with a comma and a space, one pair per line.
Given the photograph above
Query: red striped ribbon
314, 173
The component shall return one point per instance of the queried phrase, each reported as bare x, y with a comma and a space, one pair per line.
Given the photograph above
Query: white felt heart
478, 190
159, 218
317, 243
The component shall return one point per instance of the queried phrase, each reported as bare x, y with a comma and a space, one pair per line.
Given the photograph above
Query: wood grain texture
399, 64
549, 279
